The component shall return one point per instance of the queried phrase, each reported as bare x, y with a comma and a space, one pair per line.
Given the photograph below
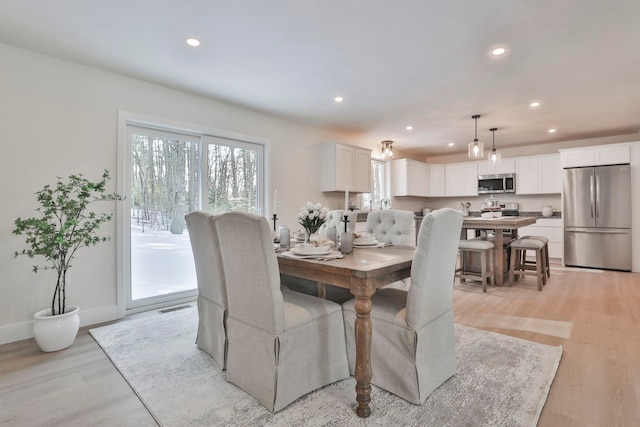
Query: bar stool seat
483, 247
519, 267
545, 251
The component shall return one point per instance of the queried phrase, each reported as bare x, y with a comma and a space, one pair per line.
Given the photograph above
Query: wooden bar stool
545, 251
519, 267
483, 247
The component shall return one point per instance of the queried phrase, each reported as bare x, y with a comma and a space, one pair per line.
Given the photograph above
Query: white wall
60, 118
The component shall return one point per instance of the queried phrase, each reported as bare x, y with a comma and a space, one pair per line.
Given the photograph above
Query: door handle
597, 196
591, 193
597, 231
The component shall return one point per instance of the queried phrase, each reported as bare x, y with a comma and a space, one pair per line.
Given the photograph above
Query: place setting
365, 240
317, 247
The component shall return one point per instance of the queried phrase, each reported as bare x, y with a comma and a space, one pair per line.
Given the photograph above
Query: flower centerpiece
311, 217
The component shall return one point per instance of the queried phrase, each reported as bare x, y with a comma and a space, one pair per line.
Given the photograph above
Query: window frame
127, 120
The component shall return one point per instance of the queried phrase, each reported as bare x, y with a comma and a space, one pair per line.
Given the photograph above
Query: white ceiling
396, 63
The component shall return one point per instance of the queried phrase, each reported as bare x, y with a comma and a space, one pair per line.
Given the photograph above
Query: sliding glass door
166, 181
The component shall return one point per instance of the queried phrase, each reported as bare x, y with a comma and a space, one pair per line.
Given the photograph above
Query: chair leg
544, 265
483, 270
322, 290
492, 264
546, 255
540, 273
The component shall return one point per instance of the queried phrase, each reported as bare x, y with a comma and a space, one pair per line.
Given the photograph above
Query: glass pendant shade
476, 148
494, 155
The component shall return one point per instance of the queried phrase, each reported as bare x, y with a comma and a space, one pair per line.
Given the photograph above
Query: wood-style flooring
594, 315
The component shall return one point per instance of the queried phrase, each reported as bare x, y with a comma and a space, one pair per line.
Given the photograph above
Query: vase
308, 234
53, 333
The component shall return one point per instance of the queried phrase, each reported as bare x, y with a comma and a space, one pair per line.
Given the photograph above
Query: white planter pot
53, 333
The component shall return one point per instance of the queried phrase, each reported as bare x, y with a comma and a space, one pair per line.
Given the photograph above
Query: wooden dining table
499, 226
363, 272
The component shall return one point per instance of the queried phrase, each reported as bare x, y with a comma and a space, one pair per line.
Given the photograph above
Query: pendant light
494, 157
387, 150
476, 148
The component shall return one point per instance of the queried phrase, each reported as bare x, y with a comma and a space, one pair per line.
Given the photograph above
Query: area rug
501, 381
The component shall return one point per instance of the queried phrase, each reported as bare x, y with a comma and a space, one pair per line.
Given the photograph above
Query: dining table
363, 272
502, 226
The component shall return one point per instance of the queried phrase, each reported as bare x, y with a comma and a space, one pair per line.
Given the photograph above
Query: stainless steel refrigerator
597, 217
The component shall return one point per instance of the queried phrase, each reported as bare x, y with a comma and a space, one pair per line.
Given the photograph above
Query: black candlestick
345, 220
275, 219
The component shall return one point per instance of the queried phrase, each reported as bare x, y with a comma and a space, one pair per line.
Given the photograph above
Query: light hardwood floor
595, 316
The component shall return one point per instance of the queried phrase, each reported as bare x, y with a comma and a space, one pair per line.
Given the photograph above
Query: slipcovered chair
282, 344
332, 293
412, 343
212, 295
391, 227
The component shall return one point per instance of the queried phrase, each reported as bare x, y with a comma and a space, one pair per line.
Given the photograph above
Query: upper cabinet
538, 174
345, 167
461, 179
505, 166
613, 154
410, 178
437, 181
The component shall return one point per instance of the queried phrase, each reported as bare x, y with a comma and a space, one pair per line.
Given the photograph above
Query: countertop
502, 223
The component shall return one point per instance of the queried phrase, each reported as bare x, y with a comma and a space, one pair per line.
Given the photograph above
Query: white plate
310, 250
364, 242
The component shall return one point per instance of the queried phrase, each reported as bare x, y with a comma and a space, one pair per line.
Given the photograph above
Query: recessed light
552, 130
535, 104
193, 42
450, 144
409, 128
338, 99
498, 51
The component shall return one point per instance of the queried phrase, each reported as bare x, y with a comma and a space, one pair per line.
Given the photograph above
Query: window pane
164, 187
378, 193
232, 179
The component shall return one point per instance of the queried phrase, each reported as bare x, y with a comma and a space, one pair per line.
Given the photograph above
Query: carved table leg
363, 355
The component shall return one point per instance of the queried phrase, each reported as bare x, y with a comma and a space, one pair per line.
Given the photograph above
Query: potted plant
63, 225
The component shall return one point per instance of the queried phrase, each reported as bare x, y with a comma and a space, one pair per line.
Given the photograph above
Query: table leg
499, 257
363, 355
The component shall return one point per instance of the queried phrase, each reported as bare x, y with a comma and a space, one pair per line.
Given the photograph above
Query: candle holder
275, 233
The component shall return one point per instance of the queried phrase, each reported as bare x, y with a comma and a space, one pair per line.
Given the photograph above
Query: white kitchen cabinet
538, 174
410, 178
612, 154
437, 181
551, 228
345, 167
505, 166
461, 179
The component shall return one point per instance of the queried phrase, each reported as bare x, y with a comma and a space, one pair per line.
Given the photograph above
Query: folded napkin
362, 236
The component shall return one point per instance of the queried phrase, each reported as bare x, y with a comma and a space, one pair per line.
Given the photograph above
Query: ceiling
421, 63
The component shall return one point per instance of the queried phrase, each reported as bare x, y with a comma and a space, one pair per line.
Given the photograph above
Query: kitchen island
506, 225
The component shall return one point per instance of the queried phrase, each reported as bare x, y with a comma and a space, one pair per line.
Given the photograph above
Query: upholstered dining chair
282, 344
412, 343
391, 226
212, 294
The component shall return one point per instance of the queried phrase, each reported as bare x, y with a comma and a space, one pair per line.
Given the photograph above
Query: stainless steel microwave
493, 184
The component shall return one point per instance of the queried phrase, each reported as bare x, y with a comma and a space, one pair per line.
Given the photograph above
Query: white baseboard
24, 330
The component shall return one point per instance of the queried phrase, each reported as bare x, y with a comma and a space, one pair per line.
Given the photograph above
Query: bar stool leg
483, 270
540, 274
